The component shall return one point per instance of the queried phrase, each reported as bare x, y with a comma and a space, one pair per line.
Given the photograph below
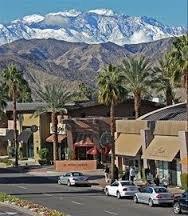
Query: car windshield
77, 174
126, 183
160, 190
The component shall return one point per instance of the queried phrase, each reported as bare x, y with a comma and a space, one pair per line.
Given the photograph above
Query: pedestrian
149, 178
106, 173
126, 175
132, 174
116, 172
157, 180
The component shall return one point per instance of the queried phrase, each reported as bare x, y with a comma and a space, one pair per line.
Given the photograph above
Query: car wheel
150, 202
68, 183
118, 195
177, 208
135, 199
107, 192
59, 182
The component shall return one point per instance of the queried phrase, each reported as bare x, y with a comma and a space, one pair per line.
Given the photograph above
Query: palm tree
180, 54
111, 91
55, 98
167, 75
138, 78
15, 86
3, 99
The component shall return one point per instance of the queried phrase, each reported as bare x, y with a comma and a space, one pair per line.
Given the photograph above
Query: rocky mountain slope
49, 60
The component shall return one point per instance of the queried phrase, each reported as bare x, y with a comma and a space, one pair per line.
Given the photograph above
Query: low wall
75, 165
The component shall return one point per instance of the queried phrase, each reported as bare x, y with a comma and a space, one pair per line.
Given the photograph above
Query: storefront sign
73, 165
61, 129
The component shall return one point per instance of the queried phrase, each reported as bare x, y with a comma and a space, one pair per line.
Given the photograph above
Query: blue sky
172, 12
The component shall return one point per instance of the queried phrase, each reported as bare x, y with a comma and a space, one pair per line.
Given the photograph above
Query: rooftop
175, 112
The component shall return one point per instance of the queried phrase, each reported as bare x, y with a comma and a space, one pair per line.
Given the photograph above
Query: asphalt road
75, 201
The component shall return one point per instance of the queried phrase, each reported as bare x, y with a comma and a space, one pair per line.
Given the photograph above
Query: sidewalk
96, 177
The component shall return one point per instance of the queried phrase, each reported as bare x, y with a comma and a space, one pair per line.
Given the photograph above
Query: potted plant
43, 154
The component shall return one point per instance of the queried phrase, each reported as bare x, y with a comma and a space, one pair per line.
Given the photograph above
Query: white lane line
22, 187
77, 203
49, 195
112, 213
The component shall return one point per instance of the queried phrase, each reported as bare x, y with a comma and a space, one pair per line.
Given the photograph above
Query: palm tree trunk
137, 104
169, 96
15, 125
55, 135
112, 127
186, 89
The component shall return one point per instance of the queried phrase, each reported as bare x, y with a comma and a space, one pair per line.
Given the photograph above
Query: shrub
184, 181
6, 161
44, 153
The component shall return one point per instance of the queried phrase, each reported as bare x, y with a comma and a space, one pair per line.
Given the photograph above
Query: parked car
154, 195
73, 178
121, 189
181, 204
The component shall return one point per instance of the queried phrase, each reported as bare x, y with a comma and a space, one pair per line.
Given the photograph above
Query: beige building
158, 140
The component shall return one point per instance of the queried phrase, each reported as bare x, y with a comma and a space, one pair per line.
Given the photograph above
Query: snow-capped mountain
94, 26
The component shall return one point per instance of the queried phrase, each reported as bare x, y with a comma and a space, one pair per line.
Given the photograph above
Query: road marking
49, 195
22, 187
112, 213
77, 203
8, 213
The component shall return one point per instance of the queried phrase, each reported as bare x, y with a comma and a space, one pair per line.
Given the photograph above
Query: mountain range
50, 60
92, 27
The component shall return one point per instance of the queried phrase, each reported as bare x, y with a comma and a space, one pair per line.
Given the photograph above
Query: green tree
167, 75
86, 91
55, 99
3, 100
180, 54
111, 91
138, 76
15, 86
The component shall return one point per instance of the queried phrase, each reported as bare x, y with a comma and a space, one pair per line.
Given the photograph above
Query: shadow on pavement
28, 180
87, 192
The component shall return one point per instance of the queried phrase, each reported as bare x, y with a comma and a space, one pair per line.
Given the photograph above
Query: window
160, 190
149, 190
126, 183
68, 174
77, 174
115, 184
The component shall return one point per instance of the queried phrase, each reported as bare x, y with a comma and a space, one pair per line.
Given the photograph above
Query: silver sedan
154, 195
73, 178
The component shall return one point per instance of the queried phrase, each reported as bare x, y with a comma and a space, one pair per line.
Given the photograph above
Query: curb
97, 187
23, 210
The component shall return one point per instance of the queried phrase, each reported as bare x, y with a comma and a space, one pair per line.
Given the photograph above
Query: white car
73, 178
121, 189
154, 195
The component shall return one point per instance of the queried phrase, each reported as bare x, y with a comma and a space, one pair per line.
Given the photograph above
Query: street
75, 201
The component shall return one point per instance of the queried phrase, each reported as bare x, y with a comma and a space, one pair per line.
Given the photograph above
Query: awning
86, 142
184, 161
93, 151
25, 135
61, 137
163, 148
128, 144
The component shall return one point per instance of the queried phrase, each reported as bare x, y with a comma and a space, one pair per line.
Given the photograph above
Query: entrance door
30, 147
